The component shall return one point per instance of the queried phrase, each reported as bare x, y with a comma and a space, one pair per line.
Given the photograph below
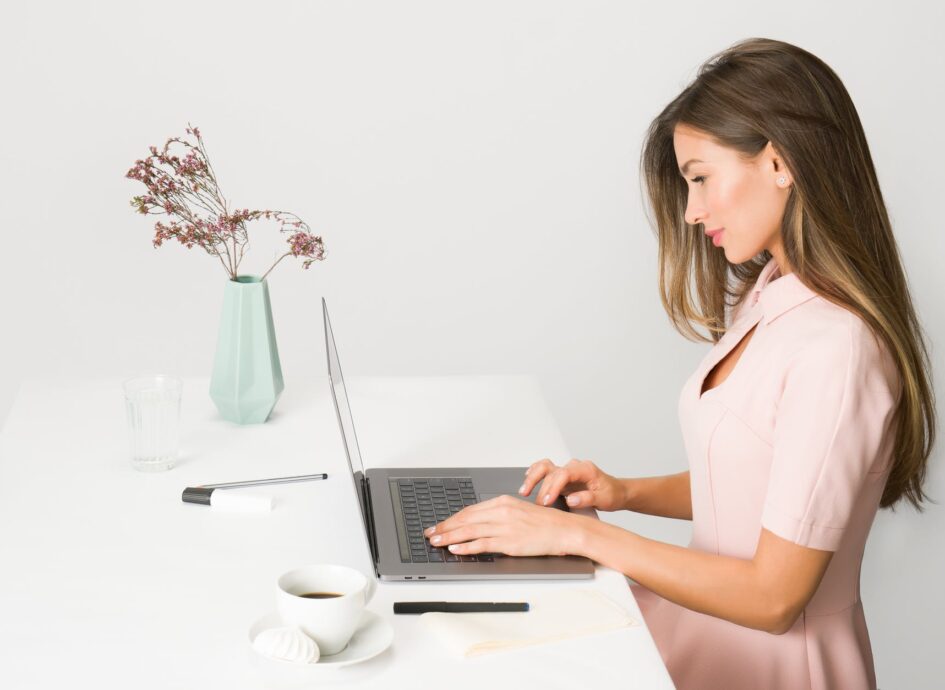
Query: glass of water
153, 407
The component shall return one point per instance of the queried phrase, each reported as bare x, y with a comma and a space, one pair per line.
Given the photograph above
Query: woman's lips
716, 236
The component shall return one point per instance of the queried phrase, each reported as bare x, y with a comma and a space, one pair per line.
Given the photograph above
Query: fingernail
453, 547
546, 500
521, 489
572, 500
437, 539
527, 470
429, 530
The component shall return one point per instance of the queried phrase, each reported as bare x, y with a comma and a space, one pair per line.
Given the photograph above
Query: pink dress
798, 440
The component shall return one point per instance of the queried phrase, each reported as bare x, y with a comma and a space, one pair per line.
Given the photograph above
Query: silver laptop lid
345, 421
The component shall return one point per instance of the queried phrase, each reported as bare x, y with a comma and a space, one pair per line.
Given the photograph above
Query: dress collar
778, 294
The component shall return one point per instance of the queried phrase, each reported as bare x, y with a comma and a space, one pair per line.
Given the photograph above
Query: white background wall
472, 168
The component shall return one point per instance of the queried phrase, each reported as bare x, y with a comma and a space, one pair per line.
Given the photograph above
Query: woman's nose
694, 214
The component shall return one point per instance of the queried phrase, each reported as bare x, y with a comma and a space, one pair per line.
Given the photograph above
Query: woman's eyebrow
685, 168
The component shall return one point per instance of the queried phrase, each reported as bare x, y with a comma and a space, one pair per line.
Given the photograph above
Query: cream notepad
552, 616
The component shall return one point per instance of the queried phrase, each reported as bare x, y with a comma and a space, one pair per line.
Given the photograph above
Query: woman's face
727, 192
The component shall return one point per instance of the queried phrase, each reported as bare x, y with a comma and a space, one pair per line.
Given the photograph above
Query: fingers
468, 513
580, 498
465, 533
576, 471
535, 472
484, 545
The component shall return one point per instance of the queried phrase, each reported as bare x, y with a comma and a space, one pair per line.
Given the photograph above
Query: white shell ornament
287, 644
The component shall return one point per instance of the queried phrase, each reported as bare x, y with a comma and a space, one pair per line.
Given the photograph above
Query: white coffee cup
329, 621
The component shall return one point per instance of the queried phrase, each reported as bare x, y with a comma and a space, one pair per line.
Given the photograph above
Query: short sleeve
836, 407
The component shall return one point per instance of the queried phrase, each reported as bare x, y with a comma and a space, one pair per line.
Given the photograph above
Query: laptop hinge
369, 521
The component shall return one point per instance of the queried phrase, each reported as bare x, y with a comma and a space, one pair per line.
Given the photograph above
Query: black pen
458, 606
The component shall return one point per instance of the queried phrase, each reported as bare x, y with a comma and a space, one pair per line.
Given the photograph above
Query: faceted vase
247, 376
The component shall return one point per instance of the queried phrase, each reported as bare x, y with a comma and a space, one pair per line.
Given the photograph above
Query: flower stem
274, 265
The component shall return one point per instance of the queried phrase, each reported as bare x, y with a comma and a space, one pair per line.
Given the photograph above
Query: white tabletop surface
108, 580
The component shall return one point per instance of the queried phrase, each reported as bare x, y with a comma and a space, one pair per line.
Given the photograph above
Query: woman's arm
667, 496
766, 593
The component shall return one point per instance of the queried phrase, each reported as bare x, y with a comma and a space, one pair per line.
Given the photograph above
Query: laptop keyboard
426, 501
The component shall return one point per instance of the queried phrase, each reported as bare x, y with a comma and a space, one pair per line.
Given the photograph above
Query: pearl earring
782, 180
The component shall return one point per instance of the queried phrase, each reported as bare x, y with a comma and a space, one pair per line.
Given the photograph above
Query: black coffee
320, 595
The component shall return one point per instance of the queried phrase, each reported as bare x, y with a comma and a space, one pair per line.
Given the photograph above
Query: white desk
109, 581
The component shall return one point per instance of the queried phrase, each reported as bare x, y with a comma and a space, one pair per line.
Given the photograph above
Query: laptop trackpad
558, 503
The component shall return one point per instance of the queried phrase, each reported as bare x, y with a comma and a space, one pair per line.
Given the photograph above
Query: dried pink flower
186, 190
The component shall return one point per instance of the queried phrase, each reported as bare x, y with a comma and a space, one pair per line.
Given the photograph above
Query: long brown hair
835, 230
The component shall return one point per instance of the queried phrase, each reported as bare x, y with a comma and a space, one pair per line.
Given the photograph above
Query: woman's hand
509, 525
584, 484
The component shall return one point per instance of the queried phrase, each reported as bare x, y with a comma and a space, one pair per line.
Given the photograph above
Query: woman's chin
733, 256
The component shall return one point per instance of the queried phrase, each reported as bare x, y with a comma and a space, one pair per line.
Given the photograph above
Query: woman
813, 408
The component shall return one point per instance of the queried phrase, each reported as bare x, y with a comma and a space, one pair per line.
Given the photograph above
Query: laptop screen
345, 420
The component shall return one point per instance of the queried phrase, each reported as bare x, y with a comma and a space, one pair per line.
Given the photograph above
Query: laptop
397, 504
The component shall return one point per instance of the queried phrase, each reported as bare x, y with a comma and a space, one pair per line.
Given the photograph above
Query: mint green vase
247, 376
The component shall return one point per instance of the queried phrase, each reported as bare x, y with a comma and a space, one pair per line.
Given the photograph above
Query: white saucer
372, 636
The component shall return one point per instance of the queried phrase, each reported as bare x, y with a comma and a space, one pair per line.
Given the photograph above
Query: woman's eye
698, 179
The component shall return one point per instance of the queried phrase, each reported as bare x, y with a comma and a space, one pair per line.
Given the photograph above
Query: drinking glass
153, 407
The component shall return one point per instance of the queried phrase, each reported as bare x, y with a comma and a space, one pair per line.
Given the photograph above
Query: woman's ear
774, 163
